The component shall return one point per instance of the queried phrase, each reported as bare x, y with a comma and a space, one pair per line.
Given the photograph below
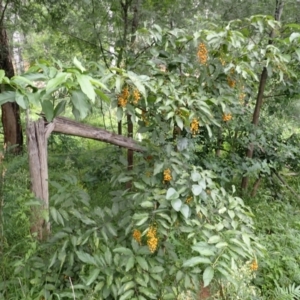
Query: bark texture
11, 122
37, 135
70, 127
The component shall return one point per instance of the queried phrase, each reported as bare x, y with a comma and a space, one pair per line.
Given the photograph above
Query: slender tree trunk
260, 94
134, 26
11, 122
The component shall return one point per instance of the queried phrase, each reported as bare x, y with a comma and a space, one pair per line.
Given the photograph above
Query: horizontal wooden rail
71, 127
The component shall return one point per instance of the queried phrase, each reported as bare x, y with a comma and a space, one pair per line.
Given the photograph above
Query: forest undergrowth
83, 172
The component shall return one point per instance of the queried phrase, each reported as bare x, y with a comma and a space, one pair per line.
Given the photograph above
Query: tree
13, 135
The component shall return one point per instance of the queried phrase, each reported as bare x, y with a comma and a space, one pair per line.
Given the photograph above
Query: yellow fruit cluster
137, 236
254, 265
167, 175
136, 96
194, 126
223, 62
231, 82
144, 117
242, 95
123, 98
152, 240
202, 54
226, 117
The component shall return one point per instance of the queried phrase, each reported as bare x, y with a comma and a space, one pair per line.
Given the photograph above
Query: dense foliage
172, 224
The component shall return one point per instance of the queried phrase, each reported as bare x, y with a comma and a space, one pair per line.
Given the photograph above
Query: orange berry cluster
167, 175
123, 98
226, 117
231, 82
254, 265
194, 126
202, 54
136, 96
152, 240
137, 236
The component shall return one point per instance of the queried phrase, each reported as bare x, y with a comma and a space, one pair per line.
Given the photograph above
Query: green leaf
47, 108
157, 269
123, 250
100, 84
119, 84
20, 99
147, 204
130, 263
206, 251
158, 167
21, 81
176, 204
102, 96
127, 295
53, 260
195, 176
108, 256
86, 258
179, 122
196, 189
298, 53
119, 114
56, 81
142, 262
78, 64
92, 276
128, 285
142, 221
208, 275
141, 281
60, 108
246, 239
214, 239
79, 101
86, 86
221, 245
172, 194
9, 96
196, 261
53, 213
294, 35
137, 82
185, 210
139, 185
140, 216
2, 74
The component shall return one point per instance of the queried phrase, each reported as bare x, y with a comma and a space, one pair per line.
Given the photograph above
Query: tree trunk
260, 94
13, 135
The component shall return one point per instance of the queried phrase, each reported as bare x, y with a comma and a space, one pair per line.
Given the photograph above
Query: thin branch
278, 95
286, 185
99, 40
85, 41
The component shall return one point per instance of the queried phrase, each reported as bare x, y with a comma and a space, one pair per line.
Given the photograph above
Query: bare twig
72, 287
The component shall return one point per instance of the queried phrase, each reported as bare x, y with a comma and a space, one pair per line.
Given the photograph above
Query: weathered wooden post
37, 136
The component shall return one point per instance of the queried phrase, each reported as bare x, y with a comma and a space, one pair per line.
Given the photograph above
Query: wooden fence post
37, 135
